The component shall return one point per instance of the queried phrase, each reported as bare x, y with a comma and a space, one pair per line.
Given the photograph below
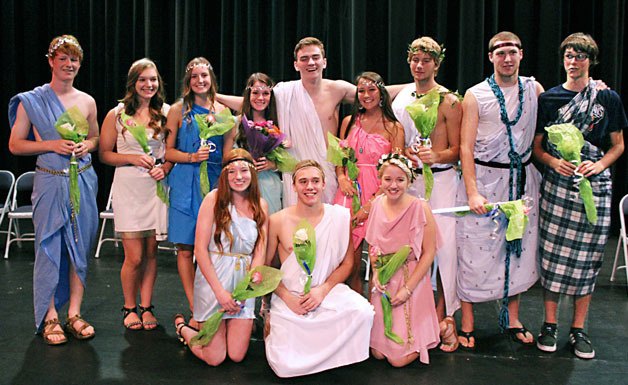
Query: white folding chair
623, 238
7, 184
23, 185
105, 216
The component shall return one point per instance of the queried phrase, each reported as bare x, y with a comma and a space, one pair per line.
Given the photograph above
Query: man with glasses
499, 116
572, 242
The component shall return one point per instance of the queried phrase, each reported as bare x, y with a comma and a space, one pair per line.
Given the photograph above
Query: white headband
194, 65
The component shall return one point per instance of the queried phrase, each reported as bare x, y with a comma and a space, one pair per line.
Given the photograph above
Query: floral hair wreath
400, 161
440, 55
367, 81
61, 42
194, 65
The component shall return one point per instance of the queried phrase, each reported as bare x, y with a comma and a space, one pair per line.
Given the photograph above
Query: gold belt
64, 172
241, 263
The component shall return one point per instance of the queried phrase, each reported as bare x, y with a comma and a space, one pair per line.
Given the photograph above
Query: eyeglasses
578, 56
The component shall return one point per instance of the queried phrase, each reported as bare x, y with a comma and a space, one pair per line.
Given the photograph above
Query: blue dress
184, 182
58, 239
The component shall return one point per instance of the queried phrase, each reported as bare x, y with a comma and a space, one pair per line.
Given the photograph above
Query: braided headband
248, 162
505, 44
190, 67
400, 161
61, 42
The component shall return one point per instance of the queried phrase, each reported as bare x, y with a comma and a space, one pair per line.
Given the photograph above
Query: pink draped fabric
389, 235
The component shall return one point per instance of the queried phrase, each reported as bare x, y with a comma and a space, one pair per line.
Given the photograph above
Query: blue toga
56, 235
184, 182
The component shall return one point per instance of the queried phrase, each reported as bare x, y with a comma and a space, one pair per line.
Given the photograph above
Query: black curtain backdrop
244, 36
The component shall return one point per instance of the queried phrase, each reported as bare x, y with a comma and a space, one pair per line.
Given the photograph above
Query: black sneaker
581, 343
546, 341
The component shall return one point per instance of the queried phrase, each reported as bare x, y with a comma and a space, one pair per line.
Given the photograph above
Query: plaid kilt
570, 248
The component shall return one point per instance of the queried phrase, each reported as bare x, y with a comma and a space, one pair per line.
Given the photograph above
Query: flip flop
512, 332
468, 336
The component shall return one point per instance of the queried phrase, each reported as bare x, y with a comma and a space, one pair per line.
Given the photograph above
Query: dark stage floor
117, 356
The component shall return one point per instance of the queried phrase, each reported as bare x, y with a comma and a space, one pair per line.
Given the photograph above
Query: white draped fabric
337, 333
299, 121
443, 196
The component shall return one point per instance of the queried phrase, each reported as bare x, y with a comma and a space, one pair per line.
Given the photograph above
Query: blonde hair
429, 46
305, 164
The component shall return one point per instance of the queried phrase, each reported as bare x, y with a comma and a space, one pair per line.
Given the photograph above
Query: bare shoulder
176, 108
451, 99
218, 106
84, 97
276, 218
264, 204
539, 88
340, 86
209, 201
469, 101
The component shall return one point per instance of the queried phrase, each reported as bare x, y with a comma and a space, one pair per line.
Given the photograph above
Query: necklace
514, 246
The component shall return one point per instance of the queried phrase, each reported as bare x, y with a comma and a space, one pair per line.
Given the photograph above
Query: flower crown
367, 82
61, 42
439, 55
400, 161
191, 66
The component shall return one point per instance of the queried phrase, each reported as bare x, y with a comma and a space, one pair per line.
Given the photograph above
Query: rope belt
64, 172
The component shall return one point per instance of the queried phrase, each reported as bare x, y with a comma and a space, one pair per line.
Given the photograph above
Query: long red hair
222, 216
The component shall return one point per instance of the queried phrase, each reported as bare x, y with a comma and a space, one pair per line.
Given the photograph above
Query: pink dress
419, 311
368, 149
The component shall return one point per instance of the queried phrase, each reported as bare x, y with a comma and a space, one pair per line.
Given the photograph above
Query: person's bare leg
580, 311
550, 303
76, 299
355, 281
185, 265
148, 278
440, 298
514, 322
467, 325
130, 275
238, 337
403, 361
377, 354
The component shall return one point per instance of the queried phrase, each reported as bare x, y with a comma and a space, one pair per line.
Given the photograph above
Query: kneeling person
302, 338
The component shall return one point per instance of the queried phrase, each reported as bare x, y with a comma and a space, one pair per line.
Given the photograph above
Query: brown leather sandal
179, 326
449, 337
48, 330
78, 333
